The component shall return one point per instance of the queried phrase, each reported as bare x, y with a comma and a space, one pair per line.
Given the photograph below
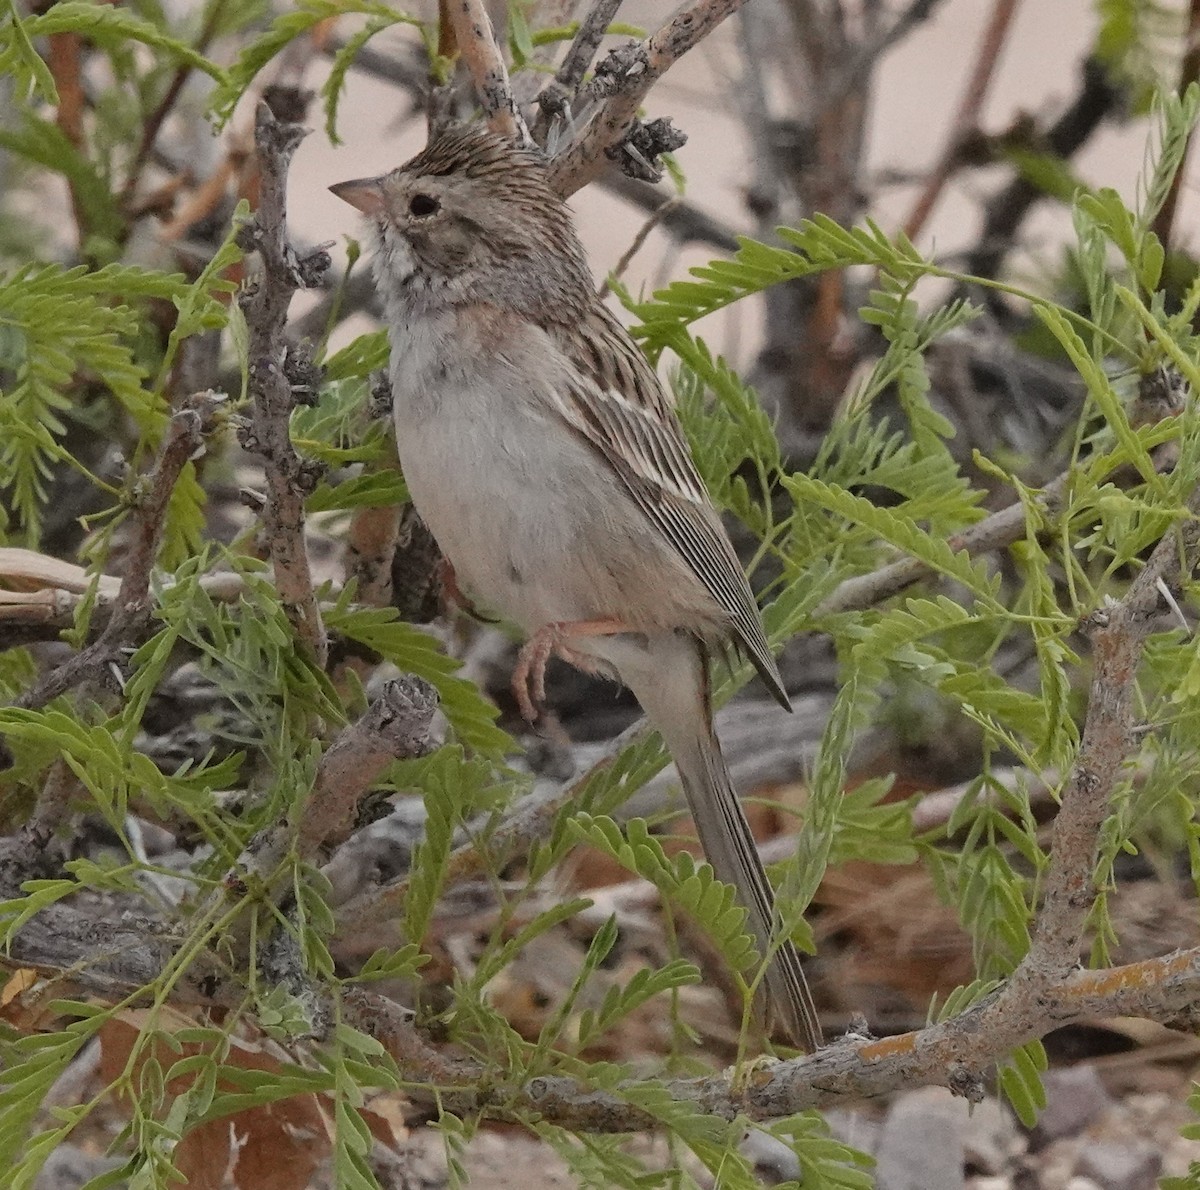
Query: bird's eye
423, 205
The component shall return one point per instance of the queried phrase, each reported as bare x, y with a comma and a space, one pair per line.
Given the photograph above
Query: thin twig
967, 118
1005, 211
862, 63
156, 119
480, 52
131, 608
561, 92
1118, 636
639, 240
289, 479
642, 65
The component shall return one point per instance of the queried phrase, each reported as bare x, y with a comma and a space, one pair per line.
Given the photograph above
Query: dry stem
288, 478
131, 608
647, 62
967, 118
476, 41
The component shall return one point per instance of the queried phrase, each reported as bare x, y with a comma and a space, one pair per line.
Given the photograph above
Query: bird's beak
365, 194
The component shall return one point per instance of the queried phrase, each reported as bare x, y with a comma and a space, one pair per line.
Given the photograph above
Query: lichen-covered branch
131, 606
622, 89
476, 42
395, 727
273, 378
559, 94
111, 962
1118, 633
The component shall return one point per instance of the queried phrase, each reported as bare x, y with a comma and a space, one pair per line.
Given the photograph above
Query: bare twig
656, 217
112, 962
476, 42
638, 68
559, 95
1118, 635
131, 608
156, 118
395, 727
289, 478
587, 39
684, 221
866, 54
967, 117
1006, 211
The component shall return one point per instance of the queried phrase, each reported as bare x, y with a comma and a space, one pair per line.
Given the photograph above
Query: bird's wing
619, 407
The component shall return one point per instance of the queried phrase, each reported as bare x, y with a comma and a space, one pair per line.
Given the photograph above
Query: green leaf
21, 62
1101, 391
300, 19
416, 652
895, 528
691, 887
113, 27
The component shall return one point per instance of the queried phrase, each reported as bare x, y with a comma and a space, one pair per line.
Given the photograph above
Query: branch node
966, 1083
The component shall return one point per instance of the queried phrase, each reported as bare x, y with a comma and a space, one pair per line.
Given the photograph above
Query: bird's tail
680, 707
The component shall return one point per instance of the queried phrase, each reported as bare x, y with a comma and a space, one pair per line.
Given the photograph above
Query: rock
1074, 1098
921, 1147
69, 1167
773, 1161
991, 1138
1115, 1166
854, 1128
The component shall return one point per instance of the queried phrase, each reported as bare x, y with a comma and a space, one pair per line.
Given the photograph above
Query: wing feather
622, 410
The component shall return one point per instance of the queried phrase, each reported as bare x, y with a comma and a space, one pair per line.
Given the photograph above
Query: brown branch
865, 55
1118, 636
624, 88
967, 118
395, 727
289, 478
156, 119
112, 961
556, 98
64, 54
477, 46
132, 605
1006, 211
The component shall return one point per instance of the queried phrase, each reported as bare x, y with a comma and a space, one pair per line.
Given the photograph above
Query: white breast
503, 485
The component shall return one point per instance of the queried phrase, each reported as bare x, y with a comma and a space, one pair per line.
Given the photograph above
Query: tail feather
670, 680
729, 846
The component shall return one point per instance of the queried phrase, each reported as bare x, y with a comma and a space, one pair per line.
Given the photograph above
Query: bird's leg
529, 678
452, 593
